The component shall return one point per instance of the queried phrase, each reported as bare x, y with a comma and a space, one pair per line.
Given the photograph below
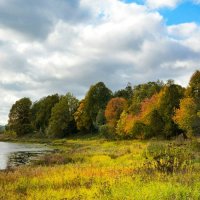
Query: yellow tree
82, 119
186, 116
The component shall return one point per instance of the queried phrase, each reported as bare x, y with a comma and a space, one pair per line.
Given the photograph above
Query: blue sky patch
136, 1
184, 13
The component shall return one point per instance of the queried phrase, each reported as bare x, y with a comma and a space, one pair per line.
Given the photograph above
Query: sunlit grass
98, 169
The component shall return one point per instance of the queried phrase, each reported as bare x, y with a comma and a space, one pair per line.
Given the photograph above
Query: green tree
20, 117
126, 93
96, 100
41, 112
62, 117
170, 97
155, 124
73, 104
100, 119
193, 90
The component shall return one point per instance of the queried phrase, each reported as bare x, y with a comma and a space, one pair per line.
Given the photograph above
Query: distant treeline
152, 109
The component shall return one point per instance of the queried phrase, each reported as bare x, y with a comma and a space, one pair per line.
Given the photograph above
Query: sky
60, 46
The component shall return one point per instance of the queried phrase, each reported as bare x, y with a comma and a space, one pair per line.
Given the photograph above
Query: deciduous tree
20, 117
186, 116
82, 119
142, 92
62, 116
114, 109
126, 93
169, 100
96, 100
41, 112
193, 90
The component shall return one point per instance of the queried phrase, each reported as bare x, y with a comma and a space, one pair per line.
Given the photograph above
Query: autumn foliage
186, 116
114, 109
152, 109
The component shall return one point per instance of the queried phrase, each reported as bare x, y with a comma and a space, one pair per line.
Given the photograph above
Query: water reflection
14, 154
3, 161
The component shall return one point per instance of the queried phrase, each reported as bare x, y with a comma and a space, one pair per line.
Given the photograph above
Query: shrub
59, 159
141, 130
10, 133
167, 158
138, 129
195, 145
107, 131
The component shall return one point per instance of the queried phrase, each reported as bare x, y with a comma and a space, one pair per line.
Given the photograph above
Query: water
16, 154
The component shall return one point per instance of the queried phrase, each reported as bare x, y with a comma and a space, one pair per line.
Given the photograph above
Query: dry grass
99, 169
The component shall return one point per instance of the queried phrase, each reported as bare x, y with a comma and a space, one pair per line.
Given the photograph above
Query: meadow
95, 168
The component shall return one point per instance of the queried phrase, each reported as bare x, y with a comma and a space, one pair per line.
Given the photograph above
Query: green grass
94, 168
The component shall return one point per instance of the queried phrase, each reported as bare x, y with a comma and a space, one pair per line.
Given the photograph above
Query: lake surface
16, 154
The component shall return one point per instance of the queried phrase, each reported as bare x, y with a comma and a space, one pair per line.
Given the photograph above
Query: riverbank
45, 140
25, 139
94, 168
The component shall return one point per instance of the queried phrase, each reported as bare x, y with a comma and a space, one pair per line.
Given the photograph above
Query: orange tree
114, 109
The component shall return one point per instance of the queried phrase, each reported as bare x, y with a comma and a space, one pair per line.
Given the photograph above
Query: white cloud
188, 34
196, 1
183, 30
156, 4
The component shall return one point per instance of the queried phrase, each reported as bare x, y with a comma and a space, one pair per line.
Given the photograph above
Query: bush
141, 131
107, 131
59, 159
138, 130
167, 158
195, 145
10, 133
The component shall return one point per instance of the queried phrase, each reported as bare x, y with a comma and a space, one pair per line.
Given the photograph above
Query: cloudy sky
56, 46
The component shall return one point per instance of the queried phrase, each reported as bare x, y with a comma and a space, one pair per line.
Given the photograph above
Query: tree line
152, 109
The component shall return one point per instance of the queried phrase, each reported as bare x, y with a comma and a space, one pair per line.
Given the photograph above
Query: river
16, 154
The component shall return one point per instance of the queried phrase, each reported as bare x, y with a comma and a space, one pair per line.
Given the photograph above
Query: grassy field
98, 169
